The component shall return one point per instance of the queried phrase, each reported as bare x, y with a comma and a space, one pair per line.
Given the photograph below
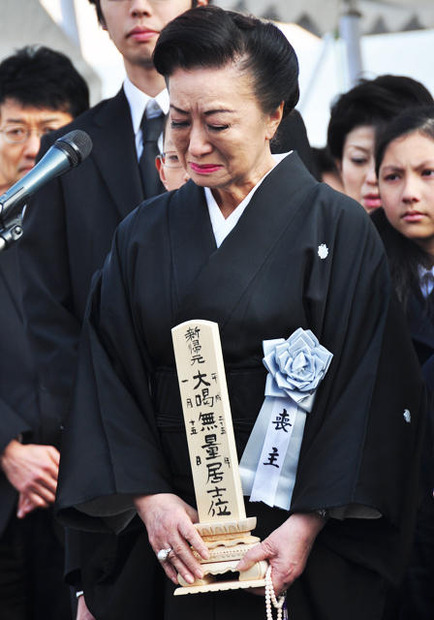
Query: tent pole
349, 32
68, 21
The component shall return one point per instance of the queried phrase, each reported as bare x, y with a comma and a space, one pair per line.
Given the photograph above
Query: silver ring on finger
163, 554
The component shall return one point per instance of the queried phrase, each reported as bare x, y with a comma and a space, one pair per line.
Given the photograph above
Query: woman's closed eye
183, 124
359, 161
179, 124
218, 127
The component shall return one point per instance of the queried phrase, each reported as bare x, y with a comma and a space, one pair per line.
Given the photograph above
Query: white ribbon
269, 463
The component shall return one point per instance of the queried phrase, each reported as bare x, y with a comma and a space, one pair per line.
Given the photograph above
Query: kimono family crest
323, 251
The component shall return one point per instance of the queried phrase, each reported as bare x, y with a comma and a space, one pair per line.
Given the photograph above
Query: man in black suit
40, 91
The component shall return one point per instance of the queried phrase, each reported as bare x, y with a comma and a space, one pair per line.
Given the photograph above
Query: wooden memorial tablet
223, 524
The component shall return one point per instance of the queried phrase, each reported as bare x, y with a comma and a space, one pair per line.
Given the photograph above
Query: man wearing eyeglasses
172, 174
21, 130
40, 91
34, 101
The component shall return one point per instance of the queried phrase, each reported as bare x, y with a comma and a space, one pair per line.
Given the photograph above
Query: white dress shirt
138, 100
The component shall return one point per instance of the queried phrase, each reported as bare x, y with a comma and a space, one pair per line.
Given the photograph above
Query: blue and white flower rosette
296, 367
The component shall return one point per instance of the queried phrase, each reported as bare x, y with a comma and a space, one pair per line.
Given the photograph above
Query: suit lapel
115, 154
211, 280
10, 283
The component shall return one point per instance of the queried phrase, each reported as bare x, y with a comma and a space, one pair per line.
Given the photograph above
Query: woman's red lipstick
204, 168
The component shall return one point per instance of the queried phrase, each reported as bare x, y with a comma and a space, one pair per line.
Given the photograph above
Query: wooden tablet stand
223, 524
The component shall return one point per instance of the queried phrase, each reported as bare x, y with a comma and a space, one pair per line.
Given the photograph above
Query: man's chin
144, 58
146, 63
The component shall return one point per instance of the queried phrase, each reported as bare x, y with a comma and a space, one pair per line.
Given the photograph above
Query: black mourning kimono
415, 596
126, 433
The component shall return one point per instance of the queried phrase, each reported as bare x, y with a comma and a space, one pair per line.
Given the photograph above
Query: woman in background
355, 118
405, 169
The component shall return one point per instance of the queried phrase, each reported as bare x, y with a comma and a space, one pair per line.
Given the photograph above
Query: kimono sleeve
111, 450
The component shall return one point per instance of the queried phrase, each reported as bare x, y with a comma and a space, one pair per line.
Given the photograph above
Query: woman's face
358, 167
219, 130
406, 180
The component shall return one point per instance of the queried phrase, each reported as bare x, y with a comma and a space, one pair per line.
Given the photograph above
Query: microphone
67, 152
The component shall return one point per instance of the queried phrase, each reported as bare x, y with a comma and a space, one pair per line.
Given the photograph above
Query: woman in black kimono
405, 168
254, 243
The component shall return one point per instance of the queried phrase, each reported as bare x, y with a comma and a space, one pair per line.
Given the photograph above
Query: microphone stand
67, 152
11, 230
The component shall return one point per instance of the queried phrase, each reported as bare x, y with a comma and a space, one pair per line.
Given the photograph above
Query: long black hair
405, 256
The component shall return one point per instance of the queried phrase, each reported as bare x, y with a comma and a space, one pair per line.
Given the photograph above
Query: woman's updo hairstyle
211, 37
372, 103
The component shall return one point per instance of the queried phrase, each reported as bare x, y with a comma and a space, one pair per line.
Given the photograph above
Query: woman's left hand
170, 522
286, 549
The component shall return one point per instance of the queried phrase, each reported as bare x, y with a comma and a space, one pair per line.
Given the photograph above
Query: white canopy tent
323, 15
323, 71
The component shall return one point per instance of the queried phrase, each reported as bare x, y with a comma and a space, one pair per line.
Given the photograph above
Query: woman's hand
169, 523
286, 549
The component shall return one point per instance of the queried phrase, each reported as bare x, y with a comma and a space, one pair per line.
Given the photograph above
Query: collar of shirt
222, 226
426, 280
138, 101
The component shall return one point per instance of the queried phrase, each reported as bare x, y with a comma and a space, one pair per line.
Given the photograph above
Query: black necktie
151, 129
